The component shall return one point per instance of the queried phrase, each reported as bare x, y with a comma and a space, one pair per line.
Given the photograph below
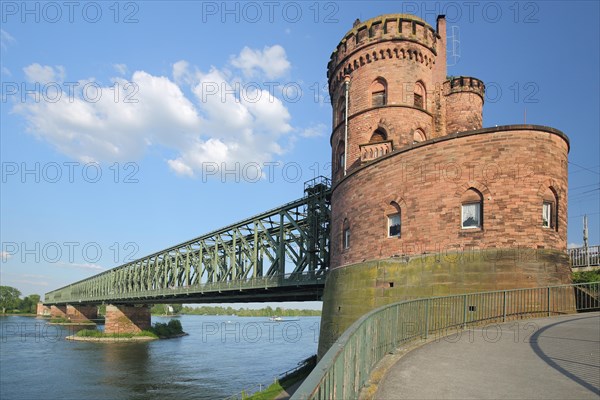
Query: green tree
35, 299
102, 309
9, 298
586, 276
29, 304
158, 309
177, 308
25, 305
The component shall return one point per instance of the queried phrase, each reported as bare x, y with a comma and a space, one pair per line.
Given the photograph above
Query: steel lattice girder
248, 255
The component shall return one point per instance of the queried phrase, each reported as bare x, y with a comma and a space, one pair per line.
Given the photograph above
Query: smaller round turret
464, 104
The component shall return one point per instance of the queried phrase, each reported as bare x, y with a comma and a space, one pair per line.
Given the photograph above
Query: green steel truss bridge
279, 255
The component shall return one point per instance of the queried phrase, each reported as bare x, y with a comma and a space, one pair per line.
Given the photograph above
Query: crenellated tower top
391, 27
459, 84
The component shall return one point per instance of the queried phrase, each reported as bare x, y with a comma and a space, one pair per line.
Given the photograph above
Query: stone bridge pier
121, 318
82, 312
42, 310
58, 311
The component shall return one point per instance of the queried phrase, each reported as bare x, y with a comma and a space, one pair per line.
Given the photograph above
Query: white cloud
574, 245
25, 279
29, 282
6, 71
181, 72
243, 129
109, 130
5, 255
314, 131
202, 116
120, 68
5, 39
180, 167
272, 61
44, 73
81, 266
34, 276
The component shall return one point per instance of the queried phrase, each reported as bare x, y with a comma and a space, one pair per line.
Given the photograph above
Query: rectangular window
418, 100
347, 238
547, 215
378, 99
342, 160
394, 225
471, 215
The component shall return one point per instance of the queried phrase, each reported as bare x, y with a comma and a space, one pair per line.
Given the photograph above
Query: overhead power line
584, 168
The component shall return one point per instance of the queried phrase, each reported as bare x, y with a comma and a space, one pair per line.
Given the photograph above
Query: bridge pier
122, 318
58, 311
42, 310
82, 312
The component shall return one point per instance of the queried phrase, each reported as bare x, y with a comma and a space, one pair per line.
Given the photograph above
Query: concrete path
550, 358
286, 394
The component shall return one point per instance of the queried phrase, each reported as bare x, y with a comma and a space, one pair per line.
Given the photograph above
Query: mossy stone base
354, 290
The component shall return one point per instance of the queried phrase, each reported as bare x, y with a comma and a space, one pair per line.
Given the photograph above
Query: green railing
345, 368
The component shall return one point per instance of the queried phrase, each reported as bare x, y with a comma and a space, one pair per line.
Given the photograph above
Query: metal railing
345, 368
584, 256
249, 392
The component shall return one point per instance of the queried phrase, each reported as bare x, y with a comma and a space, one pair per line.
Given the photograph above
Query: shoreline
110, 339
21, 315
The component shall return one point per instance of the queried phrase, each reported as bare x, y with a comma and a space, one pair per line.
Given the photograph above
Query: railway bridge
279, 255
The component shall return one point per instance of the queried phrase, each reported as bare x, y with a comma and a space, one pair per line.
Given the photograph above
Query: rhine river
222, 356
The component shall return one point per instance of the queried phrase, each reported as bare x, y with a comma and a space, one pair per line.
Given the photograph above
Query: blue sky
122, 143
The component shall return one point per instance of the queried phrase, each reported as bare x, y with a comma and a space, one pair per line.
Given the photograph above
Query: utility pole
585, 240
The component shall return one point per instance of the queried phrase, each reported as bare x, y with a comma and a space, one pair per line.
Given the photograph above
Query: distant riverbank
165, 309
18, 315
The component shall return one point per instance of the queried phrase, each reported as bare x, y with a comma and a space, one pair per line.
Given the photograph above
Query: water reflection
216, 360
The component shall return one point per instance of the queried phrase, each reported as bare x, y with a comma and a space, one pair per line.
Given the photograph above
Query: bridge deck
550, 358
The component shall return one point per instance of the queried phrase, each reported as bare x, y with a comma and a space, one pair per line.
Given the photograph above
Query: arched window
378, 92
394, 221
341, 156
550, 209
378, 136
471, 209
420, 95
346, 235
341, 110
418, 136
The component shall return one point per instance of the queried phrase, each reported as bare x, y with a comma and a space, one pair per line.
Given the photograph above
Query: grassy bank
158, 331
93, 333
286, 381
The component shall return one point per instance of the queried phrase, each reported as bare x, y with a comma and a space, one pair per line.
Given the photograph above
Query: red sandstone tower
425, 201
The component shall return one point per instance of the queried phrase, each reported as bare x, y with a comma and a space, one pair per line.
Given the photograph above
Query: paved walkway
550, 358
287, 393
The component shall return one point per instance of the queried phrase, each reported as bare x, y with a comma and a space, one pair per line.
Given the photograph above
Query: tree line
163, 309
11, 301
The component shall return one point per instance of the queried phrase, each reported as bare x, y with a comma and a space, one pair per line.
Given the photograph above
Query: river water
220, 357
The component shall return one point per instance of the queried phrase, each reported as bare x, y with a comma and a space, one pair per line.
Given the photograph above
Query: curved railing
345, 368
